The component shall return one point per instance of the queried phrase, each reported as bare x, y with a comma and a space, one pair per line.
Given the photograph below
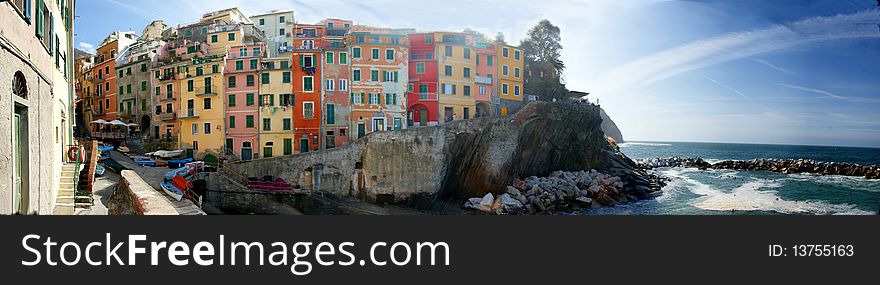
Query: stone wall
457, 159
133, 196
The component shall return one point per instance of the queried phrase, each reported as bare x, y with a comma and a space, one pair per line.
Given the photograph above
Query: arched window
19, 85
246, 144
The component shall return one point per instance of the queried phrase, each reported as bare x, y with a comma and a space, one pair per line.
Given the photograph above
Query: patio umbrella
100, 122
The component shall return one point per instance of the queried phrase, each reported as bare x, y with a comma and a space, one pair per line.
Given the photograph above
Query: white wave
643, 144
851, 182
712, 160
751, 197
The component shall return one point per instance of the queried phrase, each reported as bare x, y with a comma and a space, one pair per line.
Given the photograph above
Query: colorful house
134, 82
202, 115
423, 103
380, 76
486, 80
105, 77
242, 73
275, 117
308, 45
278, 27
336, 71
510, 75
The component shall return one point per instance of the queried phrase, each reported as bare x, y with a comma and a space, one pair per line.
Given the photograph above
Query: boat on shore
172, 191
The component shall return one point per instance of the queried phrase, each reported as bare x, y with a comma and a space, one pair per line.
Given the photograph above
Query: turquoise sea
727, 192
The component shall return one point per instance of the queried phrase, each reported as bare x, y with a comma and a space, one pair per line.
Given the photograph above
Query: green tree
499, 39
544, 67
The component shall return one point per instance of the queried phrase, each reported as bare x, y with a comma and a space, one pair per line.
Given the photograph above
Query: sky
747, 71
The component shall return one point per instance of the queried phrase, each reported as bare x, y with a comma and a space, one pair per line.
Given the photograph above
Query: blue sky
781, 72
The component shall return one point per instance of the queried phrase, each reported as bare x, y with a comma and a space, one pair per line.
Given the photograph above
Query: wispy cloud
773, 66
817, 91
734, 46
728, 88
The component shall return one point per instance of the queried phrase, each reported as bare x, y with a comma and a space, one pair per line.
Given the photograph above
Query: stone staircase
65, 198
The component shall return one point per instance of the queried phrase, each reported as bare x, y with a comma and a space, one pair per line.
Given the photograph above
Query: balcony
307, 35
166, 99
168, 116
166, 77
483, 80
337, 46
205, 91
96, 80
310, 70
307, 47
426, 96
189, 114
337, 32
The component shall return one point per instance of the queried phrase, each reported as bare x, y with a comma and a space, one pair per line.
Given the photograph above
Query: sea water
723, 192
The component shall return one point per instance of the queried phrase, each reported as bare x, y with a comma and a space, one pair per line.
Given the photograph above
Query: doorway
362, 130
21, 189
247, 153
304, 144
423, 117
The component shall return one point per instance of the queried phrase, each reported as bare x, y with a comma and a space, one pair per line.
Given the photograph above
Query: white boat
172, 191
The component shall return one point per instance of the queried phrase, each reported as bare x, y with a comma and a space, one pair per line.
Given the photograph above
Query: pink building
243, 65
486, 80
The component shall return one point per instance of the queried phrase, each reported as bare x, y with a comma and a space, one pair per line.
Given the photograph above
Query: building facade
486, 80
278, 27
510, 75
423, 103
380, 76
242, 72
307, 52
135, 89
275, 121
336, 67
36, 60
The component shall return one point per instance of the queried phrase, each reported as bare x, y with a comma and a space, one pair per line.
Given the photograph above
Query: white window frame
329, 84
374, 100
195, 129
393, 54
304, 84
309, 110
357, 99
505, 70
343, 85
505, 89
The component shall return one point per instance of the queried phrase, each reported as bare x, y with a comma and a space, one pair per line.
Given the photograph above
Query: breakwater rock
564, 192
794, 166
675, 161
788, 166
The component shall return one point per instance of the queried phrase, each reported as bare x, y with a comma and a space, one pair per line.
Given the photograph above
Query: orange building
104, 75
307, 48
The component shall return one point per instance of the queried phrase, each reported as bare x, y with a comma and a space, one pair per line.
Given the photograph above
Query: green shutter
232, 122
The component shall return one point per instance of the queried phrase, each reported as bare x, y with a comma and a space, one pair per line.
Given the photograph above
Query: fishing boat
176, 163
99, 170
143, 161
172, 191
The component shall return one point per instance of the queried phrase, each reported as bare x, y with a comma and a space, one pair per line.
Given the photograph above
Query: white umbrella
100, 122
118, 123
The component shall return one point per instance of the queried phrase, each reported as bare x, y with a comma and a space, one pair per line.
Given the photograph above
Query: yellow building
510, 78
276, 108
457, 71
202, 115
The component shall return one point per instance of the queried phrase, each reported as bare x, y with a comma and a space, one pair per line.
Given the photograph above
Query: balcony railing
206, 90
168, 116
189, 114
165, 77
307, 35
308, 47
426, 96
336, 32
96, 80
483, 80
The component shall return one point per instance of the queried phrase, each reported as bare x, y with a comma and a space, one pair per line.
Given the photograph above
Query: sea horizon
746, 143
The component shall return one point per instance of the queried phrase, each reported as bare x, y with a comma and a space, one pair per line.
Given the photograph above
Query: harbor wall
133, 196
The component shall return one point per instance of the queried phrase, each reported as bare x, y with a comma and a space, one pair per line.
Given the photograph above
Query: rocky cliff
461, 159
610, 128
